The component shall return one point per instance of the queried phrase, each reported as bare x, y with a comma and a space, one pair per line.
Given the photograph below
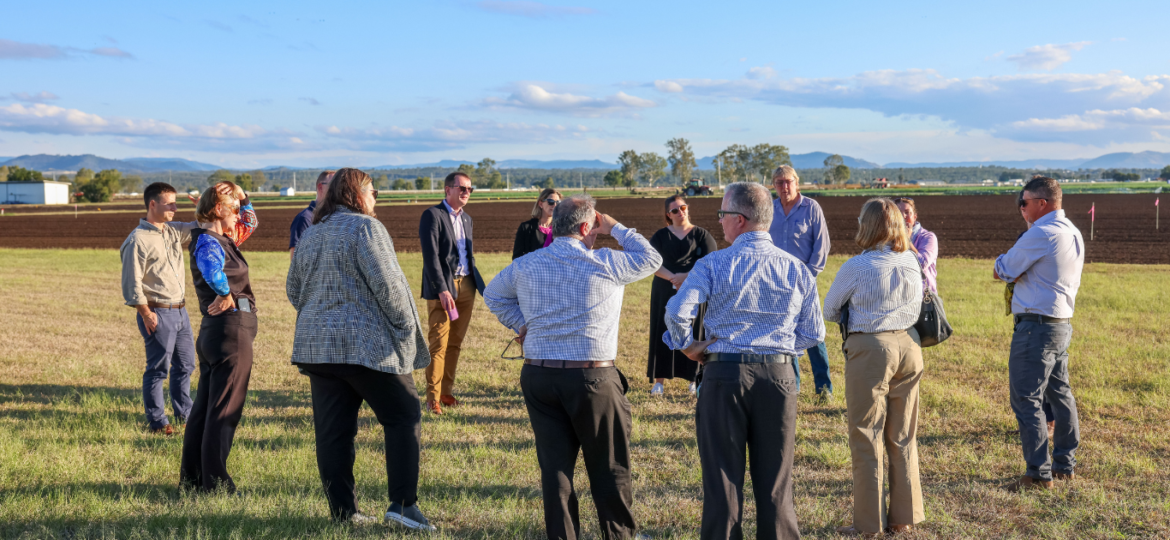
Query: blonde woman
224, 345
536, 233
882, 290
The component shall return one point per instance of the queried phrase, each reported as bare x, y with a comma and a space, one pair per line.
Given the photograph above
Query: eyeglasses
1024, 202
682, 208
504, 355
465, 189
551, 202
374, 191
724, 213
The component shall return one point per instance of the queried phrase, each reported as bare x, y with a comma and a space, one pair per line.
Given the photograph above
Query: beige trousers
445, 338
882, 372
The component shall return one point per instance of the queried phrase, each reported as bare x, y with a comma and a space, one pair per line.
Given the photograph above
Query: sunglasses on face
1024, 202
551, 202
902, 199
682, 208
465, 189
724, 213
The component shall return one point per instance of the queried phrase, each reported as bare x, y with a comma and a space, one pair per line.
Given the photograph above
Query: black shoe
410, 517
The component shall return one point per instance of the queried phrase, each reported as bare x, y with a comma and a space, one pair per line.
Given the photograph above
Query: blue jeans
818, 359
170, 348
1038, 374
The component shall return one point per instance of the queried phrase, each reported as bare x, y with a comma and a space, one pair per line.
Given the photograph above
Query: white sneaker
409, 517
657, 390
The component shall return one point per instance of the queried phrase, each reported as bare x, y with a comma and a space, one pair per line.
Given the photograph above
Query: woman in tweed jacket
358, 337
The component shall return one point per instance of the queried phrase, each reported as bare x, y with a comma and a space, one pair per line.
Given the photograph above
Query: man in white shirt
565, 304
1045, 264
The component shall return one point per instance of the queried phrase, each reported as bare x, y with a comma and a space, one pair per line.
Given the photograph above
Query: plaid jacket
353, 303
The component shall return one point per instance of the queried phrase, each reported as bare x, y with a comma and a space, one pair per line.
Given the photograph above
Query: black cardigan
528, 239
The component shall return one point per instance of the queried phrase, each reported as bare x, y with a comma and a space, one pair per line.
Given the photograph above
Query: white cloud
451, 135
761, 73
668, 86
16, 50
535, 97
38, 97
1046, 57
1100, 126
531, 10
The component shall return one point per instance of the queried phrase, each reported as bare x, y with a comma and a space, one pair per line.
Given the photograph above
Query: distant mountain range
811, 160
46, 162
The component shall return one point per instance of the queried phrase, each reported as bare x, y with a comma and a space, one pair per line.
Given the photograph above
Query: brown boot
1027, 482
165, 430
898, 529
434, 407
1064, 476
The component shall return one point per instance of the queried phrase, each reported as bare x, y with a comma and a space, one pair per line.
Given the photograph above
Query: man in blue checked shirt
565, 303
762, 310
798, 227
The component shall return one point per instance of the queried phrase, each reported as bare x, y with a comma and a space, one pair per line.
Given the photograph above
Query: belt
157, 305
1040, 319
749, 358
569, 364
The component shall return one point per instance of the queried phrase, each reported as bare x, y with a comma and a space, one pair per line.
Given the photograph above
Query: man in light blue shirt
799, 228
565, 303
762, 310
1045, 264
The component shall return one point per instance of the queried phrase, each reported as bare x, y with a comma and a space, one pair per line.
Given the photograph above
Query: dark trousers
338, 392
225, 366
747, 409
581, 410
170, 348
1038, 374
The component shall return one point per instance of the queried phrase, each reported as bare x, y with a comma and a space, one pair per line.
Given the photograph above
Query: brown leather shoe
1064, 476
1051, 429
449, 401
898, 529
434, 407
165, 430
1027, 482
849, 530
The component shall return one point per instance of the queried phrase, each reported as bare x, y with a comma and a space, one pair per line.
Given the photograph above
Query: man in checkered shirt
565, 303
762, 310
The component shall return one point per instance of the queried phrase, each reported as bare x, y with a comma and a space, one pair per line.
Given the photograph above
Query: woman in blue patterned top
224, 345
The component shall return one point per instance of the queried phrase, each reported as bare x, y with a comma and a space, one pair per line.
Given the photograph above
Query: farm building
288, 192
47, 192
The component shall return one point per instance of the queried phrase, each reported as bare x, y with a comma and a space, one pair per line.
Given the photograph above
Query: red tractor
696, 187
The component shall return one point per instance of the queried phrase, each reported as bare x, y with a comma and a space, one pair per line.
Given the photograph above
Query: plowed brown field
974, 226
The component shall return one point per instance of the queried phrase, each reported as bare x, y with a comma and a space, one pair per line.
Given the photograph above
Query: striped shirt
883, 289
570, 296
803, 232
760, 300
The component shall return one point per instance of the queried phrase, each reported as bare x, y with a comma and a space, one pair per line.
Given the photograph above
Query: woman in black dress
681, 244
537, 232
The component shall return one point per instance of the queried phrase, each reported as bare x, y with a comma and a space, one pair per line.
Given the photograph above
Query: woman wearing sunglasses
536, 233
224, 345
681, 244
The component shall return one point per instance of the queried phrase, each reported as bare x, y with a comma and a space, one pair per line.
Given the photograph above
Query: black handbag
932, 323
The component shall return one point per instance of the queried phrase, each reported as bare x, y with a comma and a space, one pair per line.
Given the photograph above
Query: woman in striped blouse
881, 289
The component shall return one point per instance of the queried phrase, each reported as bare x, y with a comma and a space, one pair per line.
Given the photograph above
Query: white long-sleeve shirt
883, 289
1046, 265
569, 296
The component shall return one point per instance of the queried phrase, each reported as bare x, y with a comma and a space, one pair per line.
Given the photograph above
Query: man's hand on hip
697, 351
149, 319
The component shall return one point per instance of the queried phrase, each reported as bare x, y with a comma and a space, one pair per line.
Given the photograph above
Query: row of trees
19, 174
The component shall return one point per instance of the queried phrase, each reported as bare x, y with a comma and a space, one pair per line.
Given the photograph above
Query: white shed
288, 192
47, 192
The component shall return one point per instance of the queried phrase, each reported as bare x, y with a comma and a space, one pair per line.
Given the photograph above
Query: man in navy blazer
450, 281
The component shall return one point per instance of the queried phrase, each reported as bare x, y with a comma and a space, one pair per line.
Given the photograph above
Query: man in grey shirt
1045, 264
153, 283
798, 227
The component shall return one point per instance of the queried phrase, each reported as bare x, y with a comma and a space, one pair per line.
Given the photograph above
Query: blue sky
365, 84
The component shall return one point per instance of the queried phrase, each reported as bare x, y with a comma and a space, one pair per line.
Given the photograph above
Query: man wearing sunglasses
450, 281
1045, 264
799, 228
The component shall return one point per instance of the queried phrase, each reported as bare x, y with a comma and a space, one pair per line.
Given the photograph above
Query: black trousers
584, 410
747, 409
224, 348
338, 392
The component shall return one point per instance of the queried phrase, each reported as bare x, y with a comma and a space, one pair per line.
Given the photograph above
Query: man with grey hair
799, 228
565, 302
762, 310
1045, 265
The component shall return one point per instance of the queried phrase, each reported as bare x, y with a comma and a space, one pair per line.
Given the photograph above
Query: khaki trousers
882, 372
445, 338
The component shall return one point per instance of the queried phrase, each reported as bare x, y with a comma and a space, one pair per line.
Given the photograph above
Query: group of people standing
736, 319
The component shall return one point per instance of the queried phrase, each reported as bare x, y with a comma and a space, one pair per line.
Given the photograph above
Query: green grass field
76, 460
